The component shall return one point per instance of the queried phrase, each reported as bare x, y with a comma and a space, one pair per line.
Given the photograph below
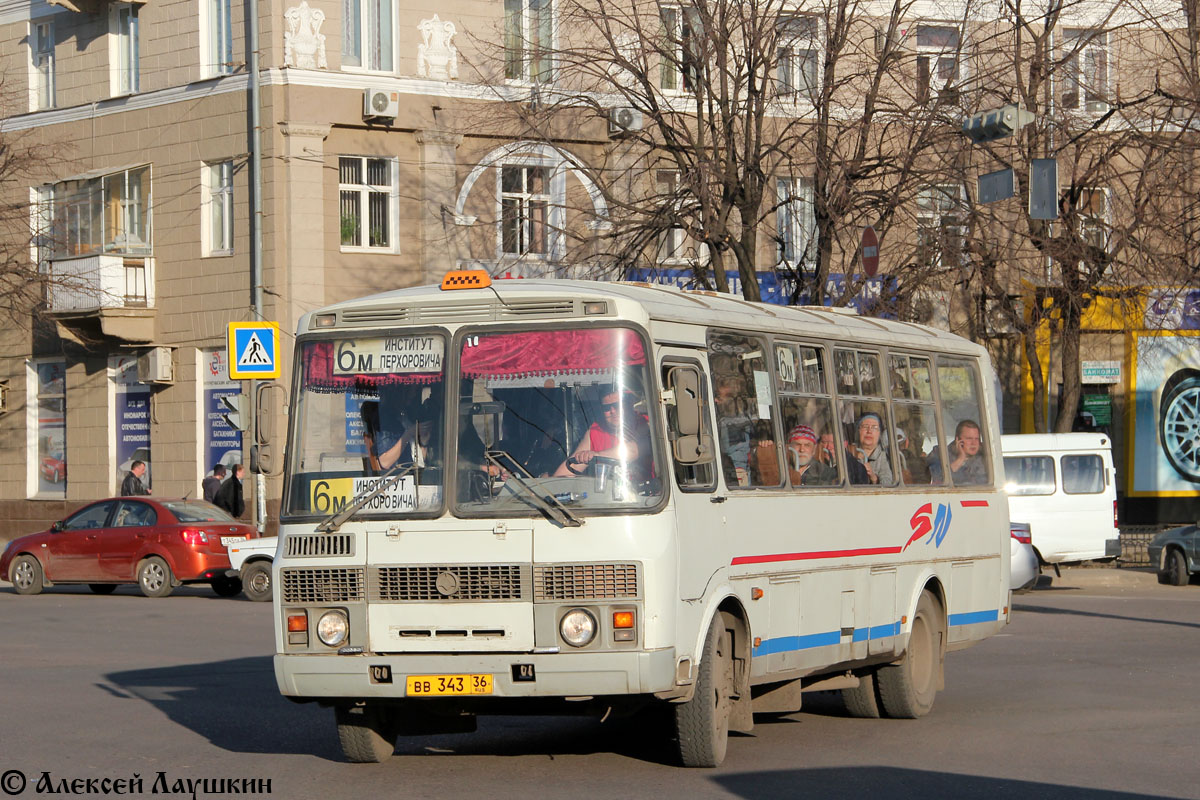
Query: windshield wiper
548, 504
394, 473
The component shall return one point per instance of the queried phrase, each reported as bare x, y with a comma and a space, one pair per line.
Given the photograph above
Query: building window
216, 31
1085, 70
367, 36
1093, 211
524, 210
798, 66
367, 188
46, 415
796, 223
939, 63
528, 40
680, 51
123, 49
41, 51
941, 226
674, 245
216, 187
107, 214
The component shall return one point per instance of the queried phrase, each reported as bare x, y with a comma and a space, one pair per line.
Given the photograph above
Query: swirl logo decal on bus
925, 521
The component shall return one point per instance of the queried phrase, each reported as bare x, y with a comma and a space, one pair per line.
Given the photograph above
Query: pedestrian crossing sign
253, 350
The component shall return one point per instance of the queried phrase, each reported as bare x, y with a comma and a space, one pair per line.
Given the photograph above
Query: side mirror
56, 527
269, 398
689, 444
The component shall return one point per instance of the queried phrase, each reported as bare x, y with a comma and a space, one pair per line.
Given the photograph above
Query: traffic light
988, 126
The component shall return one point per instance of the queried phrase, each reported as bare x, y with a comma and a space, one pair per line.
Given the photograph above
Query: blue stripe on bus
974, 617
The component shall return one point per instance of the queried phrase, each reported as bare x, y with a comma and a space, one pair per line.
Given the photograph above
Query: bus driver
603, 438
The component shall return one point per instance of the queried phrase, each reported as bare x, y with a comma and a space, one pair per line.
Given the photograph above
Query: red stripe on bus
868, 551
974, 503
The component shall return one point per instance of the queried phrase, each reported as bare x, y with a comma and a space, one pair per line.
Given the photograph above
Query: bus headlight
578, 627
333, 628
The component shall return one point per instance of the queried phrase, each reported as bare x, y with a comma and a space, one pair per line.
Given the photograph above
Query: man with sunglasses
621, 433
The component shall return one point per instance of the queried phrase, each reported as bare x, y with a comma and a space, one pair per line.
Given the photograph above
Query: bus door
700, 519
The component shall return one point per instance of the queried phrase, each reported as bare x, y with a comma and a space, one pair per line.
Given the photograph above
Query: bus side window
806, 410
688, 426
963, 426
865, 419
916, 419
744, 405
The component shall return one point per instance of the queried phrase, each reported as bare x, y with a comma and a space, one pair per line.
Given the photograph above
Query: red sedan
157, 544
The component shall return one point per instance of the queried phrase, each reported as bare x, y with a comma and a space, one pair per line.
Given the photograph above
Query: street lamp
998, 123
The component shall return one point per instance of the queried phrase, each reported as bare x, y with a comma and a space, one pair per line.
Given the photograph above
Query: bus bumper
554, 675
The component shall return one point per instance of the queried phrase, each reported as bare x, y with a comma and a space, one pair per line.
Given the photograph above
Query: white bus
543, 495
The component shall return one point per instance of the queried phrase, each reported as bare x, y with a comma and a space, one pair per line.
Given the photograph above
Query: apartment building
395, 145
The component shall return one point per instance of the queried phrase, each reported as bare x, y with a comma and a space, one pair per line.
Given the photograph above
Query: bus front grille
428, 582
322, 585
585, 582
299, 545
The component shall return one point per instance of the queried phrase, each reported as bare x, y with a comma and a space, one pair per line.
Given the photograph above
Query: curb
1097, 576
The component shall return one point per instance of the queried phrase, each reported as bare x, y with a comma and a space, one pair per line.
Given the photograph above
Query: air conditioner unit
623, 121
3, 397
380, 104
154, 366
996, 317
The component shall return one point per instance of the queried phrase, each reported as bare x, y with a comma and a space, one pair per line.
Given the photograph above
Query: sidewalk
1098, 576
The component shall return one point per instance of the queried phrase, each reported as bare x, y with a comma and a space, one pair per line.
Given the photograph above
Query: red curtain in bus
319, 377
576, 352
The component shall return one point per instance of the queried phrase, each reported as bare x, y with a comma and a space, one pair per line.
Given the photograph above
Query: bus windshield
364, 405
559, 414
548, 422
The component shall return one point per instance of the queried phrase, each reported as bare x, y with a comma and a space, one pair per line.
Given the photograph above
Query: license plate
228, 540
440, 685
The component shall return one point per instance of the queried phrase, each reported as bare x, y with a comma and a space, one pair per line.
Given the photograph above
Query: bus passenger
604, 439
966, 464
736, 428
869, 452
804, 468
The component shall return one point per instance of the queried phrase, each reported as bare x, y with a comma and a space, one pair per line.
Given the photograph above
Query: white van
1063, 485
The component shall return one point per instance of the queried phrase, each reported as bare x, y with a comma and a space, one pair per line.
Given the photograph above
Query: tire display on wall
1179, 424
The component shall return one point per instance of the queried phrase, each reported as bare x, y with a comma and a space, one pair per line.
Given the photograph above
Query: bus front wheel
702, 723
365, 733
907, 689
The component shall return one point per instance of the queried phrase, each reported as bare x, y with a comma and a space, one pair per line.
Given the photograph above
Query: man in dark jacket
212, 484
132, 486
229, 497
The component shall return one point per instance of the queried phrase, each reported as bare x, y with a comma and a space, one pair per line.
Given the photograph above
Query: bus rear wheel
365, 733
702, 723
863, 700
907, 689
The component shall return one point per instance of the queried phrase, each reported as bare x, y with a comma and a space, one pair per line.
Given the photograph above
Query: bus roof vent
395, 315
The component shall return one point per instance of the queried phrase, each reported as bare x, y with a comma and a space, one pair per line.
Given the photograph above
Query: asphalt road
1089, 693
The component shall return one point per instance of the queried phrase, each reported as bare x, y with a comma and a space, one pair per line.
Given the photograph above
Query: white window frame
932, 56
938, 204
799, 56
216, 203
82, 217
124, 45
1091, 46
41, 66
41, 222
1095, 229
364, 192
526, 58
673, 79
796, 223
674, 246
216, 38
369, 35
552, 197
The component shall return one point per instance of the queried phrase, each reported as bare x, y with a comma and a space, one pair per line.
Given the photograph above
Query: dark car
157, 544
1176, 554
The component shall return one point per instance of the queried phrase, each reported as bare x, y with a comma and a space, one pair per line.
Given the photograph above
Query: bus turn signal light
622, 619
466, 279
297, 623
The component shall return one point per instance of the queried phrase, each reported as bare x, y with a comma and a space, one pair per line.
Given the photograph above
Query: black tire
1179, 426
155, 578
702, 723
863, 702
1177, 571
225, 586
907, 688
103, 588
365, 733
26, 574
256, 581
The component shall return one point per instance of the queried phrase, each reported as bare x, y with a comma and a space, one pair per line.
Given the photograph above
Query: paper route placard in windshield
331, 495
391, 354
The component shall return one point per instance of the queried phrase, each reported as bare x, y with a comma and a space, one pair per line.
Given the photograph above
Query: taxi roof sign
253, 350
466, 279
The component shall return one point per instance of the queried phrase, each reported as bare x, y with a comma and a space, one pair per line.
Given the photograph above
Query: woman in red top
602, 439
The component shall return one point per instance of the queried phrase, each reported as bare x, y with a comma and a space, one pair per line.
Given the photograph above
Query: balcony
110, 296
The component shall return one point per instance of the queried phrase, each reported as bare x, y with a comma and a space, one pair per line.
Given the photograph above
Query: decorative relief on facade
437, 57
303, 42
